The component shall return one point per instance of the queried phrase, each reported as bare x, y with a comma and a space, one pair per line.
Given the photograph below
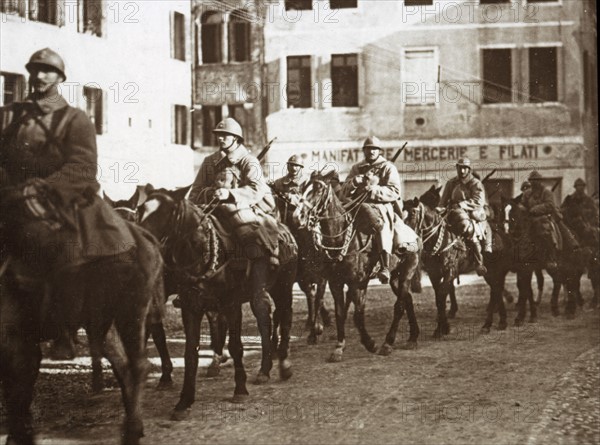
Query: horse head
161, 210
317, 197
431, 198
126, 208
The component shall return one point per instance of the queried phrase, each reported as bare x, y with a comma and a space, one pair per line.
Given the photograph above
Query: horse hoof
371, 347
570, 316
437, 334
409, 346
240, 398
385, 349
518, 322
533, 319
452, 314
319, 329
261, 379
335, 357
180, 414
167, 384
502, 326
555, 312
484, 330
213, 371
312, 339
285, 370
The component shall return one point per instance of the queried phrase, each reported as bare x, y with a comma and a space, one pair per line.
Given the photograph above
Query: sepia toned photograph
299, 222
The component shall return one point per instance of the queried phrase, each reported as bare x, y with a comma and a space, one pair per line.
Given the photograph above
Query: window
90, 17
590, 95
238, 112
298, 88
497, 75
43, 11
12, 88
212, 37
339, 4
419, 77
344, 80
543, 74
94, 106
13, 7
178, 36
211, 116
298, 4
180, 125
239, 36
418, 2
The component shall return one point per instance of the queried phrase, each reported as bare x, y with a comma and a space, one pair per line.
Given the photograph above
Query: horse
196, 248
309, 276
349, 259
129, 210
445, 257
39, 298
534, 244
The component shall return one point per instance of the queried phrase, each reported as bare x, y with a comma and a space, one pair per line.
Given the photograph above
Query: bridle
426, 233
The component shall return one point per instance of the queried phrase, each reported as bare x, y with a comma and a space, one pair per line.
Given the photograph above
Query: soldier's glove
371, 190
358, 180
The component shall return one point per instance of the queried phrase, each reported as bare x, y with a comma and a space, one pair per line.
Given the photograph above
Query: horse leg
320, 303
191, 327
358, 294
491, 308
539, 279
556, 286
218, 331
236, 350
524, 285
159, 338
260, 303
441, 291
337, 291
96, 348
312, 323
453, 303
282, 295
572, 287
20, 358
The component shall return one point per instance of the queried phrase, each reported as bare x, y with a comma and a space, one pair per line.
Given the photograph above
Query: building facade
128, 66
509, 83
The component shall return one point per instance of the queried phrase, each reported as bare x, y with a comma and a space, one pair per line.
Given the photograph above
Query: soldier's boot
475, 247
384, 271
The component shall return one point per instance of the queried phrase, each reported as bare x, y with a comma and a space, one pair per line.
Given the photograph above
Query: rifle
489, 175
400, 150
556, 184
266, 148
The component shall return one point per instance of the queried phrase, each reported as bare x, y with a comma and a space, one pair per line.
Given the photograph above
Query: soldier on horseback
244, 206
464, 195
289, 187
540, 202
579, 207
379, 180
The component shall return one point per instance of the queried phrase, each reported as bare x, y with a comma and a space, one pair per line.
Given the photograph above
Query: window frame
94, 108
436, 63
357, 88
301, 58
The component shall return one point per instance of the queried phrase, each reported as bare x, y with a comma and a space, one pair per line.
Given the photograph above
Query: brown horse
210, 271
309, 277
349, 259
445, 257
534, 245
111, 290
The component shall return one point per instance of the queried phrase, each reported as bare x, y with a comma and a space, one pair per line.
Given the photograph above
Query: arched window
239, 36
212, 36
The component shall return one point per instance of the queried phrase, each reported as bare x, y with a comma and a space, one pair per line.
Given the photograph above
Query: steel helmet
47, 57
229, 126
464, 162
579, 182
372, 142
535, 176
296, 160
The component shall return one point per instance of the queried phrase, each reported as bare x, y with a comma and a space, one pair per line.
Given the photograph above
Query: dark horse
111, 290
445, 257
348, 259
310, 267
197, 249
534, 244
